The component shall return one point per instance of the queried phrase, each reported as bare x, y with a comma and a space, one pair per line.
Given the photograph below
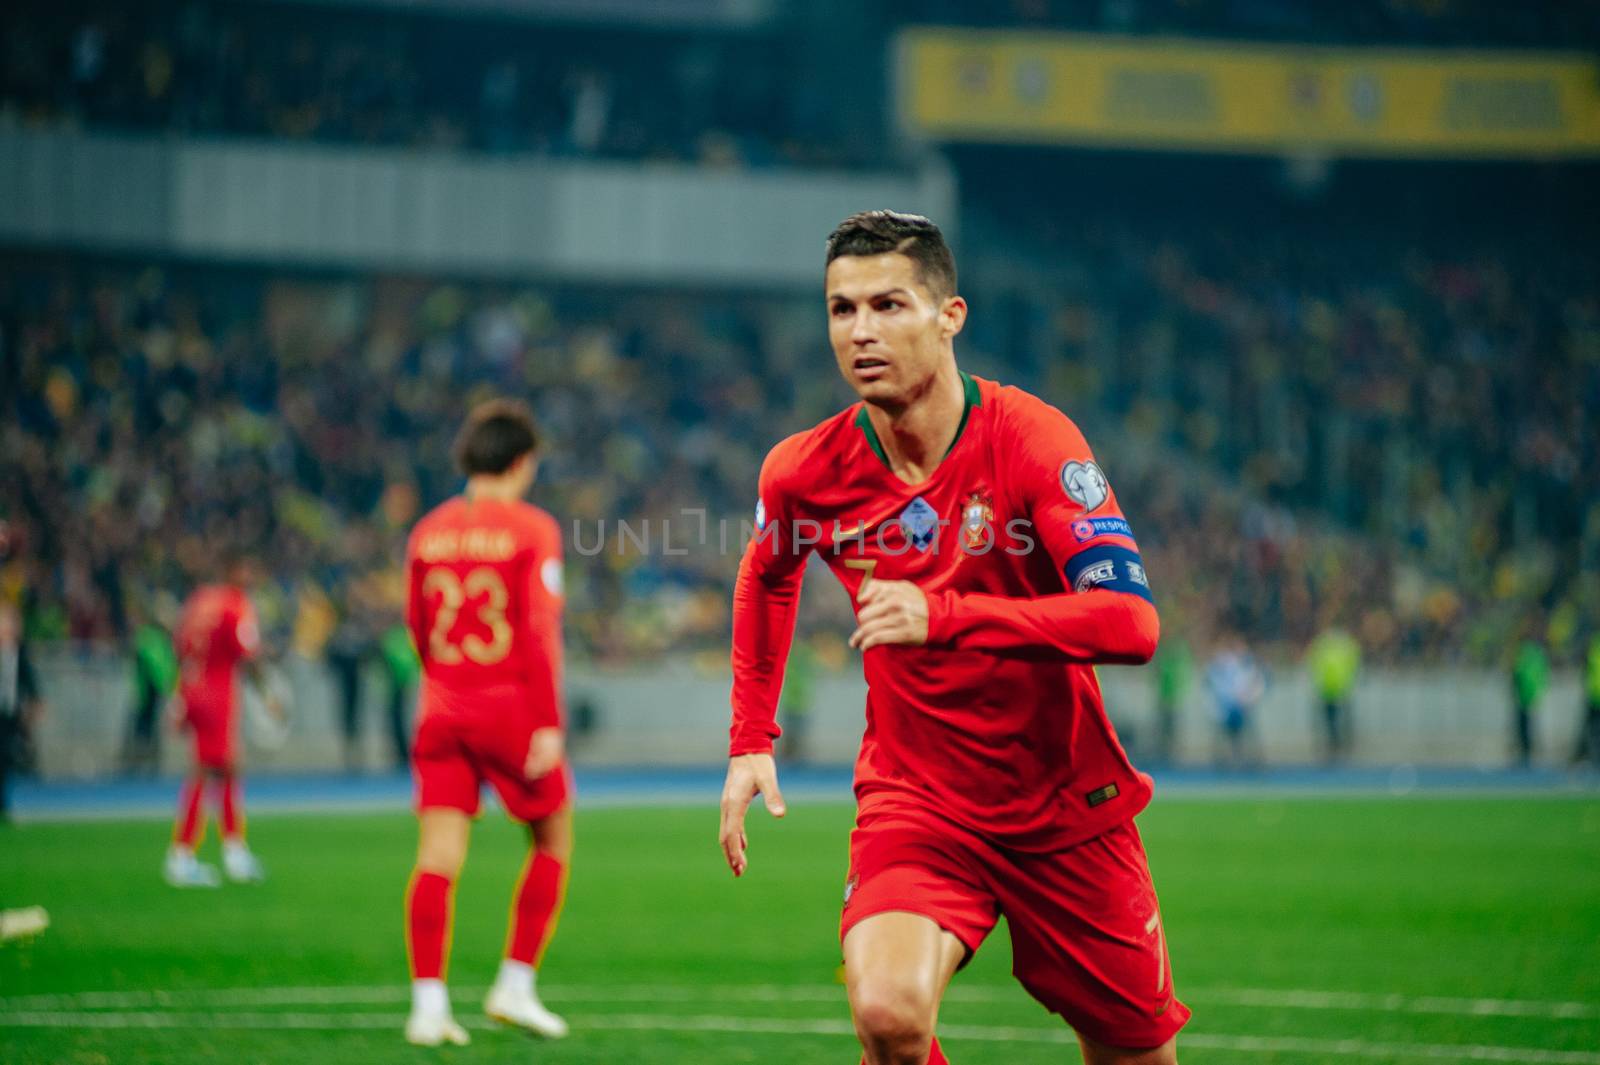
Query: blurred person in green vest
1589, 731
1174, 673
155, 676
401, 667
1334, 662
1530, 675
794, 704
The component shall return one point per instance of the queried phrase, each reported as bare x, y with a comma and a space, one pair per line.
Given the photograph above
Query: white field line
1318, 1048
1379, 1003
662, 994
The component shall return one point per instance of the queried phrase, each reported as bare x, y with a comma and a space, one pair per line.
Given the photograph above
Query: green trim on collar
864, 423
974, 397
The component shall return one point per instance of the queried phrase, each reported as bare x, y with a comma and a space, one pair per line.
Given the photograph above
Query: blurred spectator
1334, 662
1174, 674
794, 703
20, 703
1588, 748
155, 677
1237, 684
401, 669
1530, 675
346, 654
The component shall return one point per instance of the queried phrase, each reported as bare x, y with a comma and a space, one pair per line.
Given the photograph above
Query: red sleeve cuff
753, 739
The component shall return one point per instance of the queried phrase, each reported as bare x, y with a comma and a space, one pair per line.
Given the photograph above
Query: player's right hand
747, 775
546, 748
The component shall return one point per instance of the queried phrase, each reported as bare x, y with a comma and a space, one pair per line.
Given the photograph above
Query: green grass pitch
1302, 930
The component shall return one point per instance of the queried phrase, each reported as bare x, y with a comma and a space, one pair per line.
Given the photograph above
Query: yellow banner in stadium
1154, 93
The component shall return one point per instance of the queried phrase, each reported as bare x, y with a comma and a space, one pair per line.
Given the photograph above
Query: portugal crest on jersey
977, 521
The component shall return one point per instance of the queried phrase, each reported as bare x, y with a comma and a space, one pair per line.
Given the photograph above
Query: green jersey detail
969, 388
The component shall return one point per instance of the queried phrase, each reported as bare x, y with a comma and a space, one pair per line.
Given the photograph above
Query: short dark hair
911, 235
495, 435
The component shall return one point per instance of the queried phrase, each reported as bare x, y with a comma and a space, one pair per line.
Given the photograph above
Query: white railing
672, 714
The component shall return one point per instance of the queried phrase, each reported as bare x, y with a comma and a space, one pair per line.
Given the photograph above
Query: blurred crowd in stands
1402, 452
437, 81
1438, 409
160, 416
760, 96
1311, 426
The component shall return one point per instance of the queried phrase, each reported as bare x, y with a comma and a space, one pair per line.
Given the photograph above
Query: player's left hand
546, 748
891, 612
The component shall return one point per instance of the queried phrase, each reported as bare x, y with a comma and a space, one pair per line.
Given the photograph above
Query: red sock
232, 816
935, 1055
191, 818
427, 924
535, 909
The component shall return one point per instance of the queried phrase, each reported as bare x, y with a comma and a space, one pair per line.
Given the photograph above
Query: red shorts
1086, 934
456, 751
213, 721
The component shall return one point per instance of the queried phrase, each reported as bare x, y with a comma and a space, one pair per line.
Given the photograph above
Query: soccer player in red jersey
484, 606
217, 635
991, 569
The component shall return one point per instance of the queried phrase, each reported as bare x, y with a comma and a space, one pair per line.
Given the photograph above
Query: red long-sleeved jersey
483, 604
1032, 576
216, 631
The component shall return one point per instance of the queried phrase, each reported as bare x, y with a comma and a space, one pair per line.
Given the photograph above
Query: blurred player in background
20, 704
484, 606
991, 568
217, 636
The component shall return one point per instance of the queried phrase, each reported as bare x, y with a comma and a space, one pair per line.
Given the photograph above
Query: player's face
889, 332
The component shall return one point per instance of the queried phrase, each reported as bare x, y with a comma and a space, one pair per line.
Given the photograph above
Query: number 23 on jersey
482, 593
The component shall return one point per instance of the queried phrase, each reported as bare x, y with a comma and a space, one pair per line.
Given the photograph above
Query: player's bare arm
748, 775
891, 612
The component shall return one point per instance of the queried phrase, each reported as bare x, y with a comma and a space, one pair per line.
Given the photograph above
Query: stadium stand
1380, 425
1305, 437
425, 80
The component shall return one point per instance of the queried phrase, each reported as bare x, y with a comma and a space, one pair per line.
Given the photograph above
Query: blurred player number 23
453, 593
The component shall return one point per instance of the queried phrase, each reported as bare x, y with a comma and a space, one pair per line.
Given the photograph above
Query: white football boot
431, 1023
433, 1029
513, 1000
23, 923
183, 870
242, 866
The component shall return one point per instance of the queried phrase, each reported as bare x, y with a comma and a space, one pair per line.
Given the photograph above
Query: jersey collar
974, 398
